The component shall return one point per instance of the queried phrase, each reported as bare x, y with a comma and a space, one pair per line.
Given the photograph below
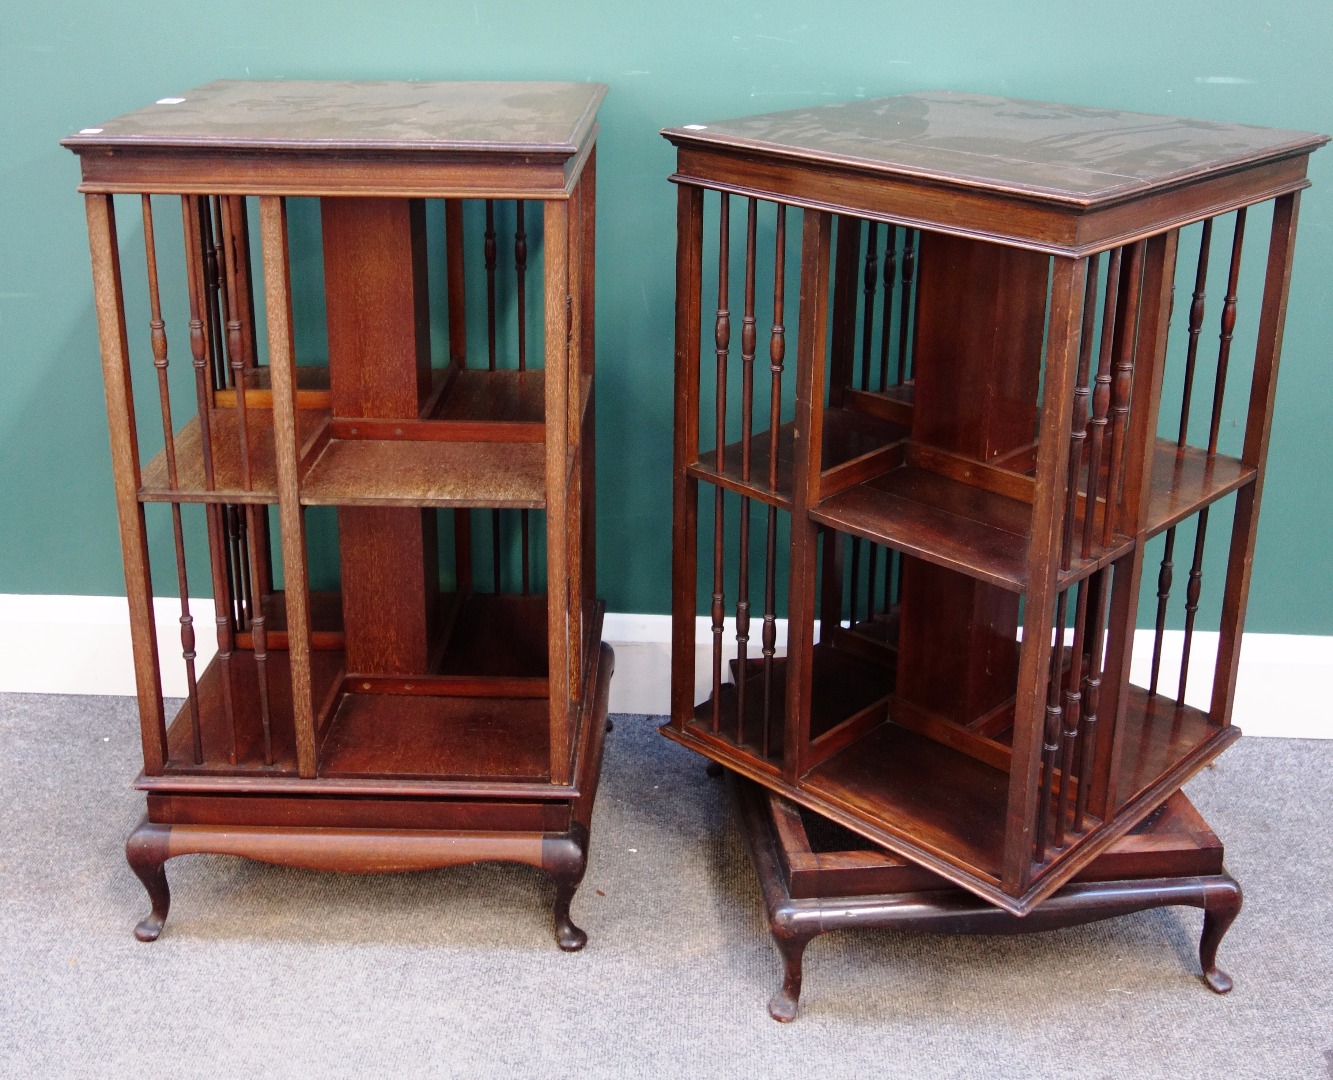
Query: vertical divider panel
1061, 363
556, 293
684, 488
110, 304
811, 355
282, 360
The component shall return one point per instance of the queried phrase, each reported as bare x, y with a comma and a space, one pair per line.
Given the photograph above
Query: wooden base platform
324, 825
816, 876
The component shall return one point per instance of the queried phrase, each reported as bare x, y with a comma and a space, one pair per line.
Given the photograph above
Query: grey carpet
264, 971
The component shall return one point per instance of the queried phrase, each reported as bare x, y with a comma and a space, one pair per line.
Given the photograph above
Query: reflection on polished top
1061, 153
535, 117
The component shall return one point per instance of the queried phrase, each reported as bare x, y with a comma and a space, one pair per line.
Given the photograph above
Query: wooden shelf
225, 443
326, 670
926, 796
1157, 736
403, 472
437, 737
950, 523
854, 443
1186, 479
943, 521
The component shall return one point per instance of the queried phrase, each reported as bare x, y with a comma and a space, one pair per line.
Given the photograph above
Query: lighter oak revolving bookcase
985, 430
383, 295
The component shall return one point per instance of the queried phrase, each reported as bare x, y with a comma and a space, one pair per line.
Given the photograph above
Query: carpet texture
264, 971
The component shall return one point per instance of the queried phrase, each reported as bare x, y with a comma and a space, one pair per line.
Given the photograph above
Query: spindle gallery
970, 481
410, 716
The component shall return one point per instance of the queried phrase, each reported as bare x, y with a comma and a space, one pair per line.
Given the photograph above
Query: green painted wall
66, 64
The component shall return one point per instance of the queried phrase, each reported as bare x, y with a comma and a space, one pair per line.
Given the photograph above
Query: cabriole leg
782, 1006
146, 852
1221, 906
565, 858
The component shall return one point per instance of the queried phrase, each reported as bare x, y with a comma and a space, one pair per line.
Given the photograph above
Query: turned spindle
722, 342
247, 521
1194, 586
748, 344
1050, 745
201, 288
1078, 429
1124, 379
905, 300
1069, 738
1099, 587
886, 331
158, 340
1165, 573
869, 284
490, 255
215, 266
521, 281
777, 349
1101, 401
1228, 330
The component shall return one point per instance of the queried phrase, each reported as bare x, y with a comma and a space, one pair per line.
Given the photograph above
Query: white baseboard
81, 645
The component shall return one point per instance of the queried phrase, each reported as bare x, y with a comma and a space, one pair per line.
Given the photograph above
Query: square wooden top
1062, 154
503, 117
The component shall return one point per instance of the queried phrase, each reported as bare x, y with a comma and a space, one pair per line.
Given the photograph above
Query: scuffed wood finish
1056, 178
974, 435
386, 725
423, 140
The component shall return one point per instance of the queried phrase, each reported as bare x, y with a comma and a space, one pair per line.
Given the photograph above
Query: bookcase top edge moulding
966, 456
445, 700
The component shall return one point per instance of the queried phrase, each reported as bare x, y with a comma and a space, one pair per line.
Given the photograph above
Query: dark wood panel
356, 812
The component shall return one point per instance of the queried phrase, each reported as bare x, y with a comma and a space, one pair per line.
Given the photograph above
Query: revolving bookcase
439, 696
962, 462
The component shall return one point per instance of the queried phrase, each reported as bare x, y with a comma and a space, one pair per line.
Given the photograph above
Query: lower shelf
481, 713
437, 738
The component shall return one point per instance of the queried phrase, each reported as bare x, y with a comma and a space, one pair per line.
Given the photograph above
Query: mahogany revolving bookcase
434, 691
987, 430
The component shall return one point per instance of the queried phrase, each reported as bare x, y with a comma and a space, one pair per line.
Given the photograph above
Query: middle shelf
479, 442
